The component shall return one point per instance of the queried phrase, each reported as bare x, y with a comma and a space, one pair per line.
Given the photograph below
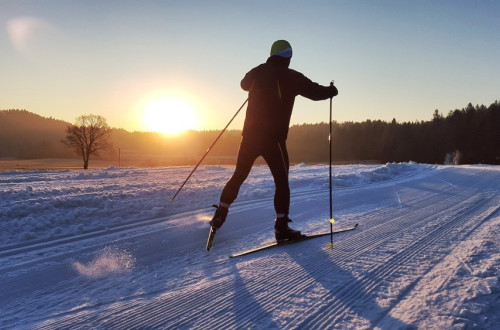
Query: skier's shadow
247, 311
344, 294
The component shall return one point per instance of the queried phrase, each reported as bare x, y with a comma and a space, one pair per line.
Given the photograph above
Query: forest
470, 135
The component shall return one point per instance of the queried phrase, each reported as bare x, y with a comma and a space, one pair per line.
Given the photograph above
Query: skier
272, 89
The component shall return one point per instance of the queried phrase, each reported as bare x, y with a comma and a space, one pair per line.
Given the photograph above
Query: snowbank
40, 205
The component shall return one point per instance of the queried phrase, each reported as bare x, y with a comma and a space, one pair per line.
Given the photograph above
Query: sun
169, 116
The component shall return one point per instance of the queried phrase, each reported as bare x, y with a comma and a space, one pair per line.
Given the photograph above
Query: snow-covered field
106, 249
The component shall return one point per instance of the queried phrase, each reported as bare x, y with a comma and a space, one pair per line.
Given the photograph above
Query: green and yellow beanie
281, 48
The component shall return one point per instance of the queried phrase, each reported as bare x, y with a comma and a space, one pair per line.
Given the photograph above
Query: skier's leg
276, 156
246, 157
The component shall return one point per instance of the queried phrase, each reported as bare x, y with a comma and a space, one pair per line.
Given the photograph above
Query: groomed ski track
417, 237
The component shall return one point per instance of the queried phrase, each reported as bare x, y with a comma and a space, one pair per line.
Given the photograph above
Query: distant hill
25, 135
470, 135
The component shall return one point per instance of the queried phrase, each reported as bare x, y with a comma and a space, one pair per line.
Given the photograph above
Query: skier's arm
315, 91
248, 80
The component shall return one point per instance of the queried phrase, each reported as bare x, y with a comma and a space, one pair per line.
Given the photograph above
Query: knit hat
281, 48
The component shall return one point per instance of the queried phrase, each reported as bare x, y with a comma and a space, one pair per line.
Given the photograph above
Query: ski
211, 235
304, 238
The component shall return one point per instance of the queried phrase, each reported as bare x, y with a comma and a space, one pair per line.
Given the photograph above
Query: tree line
472, 132
468, 135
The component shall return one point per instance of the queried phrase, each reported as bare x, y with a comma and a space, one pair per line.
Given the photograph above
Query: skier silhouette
272, 88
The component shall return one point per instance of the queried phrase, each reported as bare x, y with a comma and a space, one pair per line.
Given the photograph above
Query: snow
106, 249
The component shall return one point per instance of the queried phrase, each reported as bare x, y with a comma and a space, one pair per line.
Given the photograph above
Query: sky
389, 59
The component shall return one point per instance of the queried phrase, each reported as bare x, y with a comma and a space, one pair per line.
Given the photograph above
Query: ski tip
356, 225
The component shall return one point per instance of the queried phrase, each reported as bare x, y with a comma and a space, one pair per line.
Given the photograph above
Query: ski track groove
369, 282
176, 307
273, 294
393, 264
190, 306
144, 311
183, 320
172, 312
175, 315
299, 286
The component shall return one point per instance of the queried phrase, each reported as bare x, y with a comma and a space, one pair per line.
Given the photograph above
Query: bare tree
87, 136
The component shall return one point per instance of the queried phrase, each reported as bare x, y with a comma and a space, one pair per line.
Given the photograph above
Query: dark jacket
272, 88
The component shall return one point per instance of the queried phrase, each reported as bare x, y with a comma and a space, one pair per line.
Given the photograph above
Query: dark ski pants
276, 157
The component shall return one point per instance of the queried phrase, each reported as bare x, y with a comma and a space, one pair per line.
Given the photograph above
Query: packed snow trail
426, 254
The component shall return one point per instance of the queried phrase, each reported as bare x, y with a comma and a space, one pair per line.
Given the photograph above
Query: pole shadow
348, 297
247, 312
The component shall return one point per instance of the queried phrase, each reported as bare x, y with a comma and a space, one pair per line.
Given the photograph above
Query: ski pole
330, 173
208, 150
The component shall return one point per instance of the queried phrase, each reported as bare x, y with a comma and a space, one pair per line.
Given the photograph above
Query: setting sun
169, 116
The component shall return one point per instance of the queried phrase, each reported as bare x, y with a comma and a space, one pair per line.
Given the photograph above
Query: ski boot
219, 216
284, 233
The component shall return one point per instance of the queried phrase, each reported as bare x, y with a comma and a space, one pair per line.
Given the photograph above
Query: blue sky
389, 59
